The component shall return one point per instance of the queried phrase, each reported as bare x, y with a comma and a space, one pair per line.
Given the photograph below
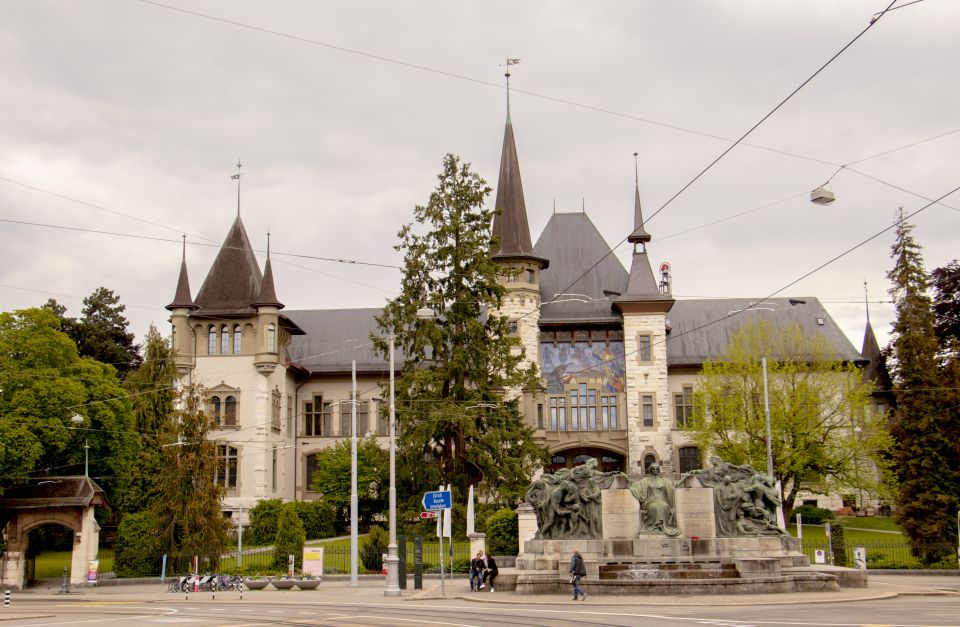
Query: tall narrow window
574, 411
643, 348
311, 470
273, 470
237, 339
215, 408
230, 411
289, 416
592, 408
271, 338
224, 340
173, 337
553, 413
683, 406
383, 418
363, 418
227, 466
212, 340
346, 419
275, 411
646, 403
328, 418
539, 415
312, 419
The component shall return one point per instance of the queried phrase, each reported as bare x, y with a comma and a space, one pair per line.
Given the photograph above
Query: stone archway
65, 501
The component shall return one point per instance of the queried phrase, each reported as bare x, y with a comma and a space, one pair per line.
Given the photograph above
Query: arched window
648, 460
215, 409
230, 412
173, 337
237, 339
271, 338
225, 340
212, 340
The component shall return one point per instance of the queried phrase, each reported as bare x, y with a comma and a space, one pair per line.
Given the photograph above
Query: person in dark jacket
490, 571
476, 572
577, 571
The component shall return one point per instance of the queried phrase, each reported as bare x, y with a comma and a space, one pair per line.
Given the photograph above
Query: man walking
577, 570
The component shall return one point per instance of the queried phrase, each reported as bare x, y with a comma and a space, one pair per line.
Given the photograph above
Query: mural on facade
562, 362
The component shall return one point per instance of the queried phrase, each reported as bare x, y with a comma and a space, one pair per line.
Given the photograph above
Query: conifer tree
190, 493
456, 421
927, 500
152, 392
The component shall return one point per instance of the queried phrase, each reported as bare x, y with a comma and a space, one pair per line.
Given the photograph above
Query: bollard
6, 598
65, 585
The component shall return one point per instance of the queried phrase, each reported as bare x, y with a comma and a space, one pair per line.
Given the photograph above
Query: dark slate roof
182, 298
335, 337
54, 492
693, 339
573, 244
268, 294
510, 224
876, 370
639, 233
642, 286
234, 281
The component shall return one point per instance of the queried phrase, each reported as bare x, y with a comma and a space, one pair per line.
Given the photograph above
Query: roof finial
507, 75
236, 177
636, 171
184, 258
268, 245
866, 298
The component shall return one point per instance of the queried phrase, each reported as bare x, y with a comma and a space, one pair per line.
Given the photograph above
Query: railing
887, 554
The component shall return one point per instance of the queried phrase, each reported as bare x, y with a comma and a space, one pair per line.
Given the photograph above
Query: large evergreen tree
152, 393
925, 459
192, 522
820, 428
456, 421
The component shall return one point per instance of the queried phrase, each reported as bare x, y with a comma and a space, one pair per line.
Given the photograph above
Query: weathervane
507, 74
866, 298
236, 177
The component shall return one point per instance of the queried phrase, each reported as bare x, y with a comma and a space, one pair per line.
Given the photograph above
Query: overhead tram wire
732, 146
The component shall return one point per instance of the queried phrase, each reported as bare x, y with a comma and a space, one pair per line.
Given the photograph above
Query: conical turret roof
642, 286
234, 282
268, 294
510, 224
876, 368
182, 298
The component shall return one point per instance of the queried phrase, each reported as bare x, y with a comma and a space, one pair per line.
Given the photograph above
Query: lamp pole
77, 419
354, 552
392, 586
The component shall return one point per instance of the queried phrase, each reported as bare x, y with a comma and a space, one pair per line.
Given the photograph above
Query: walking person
476, 572
577, 571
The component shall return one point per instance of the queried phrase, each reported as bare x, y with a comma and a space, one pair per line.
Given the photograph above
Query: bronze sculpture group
567, 502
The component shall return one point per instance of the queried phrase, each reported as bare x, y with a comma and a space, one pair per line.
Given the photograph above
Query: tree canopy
456, 419
44, 383
821, 429
332, 479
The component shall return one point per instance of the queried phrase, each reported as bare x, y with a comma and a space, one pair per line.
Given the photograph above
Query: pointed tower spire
268, 294
639, 235
234, 280
510, 224
182, 298
642, 287
236, 177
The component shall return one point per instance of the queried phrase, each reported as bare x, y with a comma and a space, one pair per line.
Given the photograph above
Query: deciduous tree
821, 429
332, 479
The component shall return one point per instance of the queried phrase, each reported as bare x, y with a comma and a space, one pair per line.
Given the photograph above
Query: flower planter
307, 584
283, 584
256, 584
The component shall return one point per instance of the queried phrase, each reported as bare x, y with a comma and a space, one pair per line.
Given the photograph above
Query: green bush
318, 518
374, 547
263, 522
502, 529
290, 537
137, 550
812, 515
838, 545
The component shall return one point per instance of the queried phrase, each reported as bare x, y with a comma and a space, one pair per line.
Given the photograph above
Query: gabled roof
510, 224
54, 492
335, 337
701, 329
573, 244
233, 284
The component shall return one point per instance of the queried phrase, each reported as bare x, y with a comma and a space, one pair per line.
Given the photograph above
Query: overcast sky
128, 118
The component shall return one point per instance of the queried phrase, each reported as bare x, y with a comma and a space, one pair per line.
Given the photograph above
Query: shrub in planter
137, 550
502, 533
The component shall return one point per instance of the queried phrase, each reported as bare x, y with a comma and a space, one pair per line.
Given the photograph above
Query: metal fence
886, 554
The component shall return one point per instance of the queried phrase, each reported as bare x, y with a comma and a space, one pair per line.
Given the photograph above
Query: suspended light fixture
822, 195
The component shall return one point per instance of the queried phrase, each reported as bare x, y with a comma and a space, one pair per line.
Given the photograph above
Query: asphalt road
917, 602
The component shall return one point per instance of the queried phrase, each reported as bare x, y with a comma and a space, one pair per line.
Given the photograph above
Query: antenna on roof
866, 298
237, 178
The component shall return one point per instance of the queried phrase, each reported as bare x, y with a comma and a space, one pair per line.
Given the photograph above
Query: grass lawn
50, 564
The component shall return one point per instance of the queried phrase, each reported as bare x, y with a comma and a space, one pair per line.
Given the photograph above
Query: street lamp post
354, 552
392, 586
77, 419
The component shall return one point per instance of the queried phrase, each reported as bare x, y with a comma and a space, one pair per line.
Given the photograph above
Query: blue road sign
440, 499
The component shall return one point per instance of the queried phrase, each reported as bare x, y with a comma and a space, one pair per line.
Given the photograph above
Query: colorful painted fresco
563, 362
